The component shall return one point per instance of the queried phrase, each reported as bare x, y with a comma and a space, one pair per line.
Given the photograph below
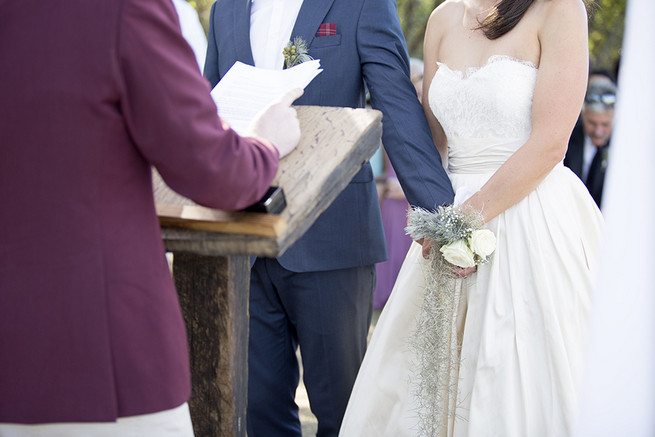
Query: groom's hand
427, 245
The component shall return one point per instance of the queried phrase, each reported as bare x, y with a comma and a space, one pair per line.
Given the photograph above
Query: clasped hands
461, 271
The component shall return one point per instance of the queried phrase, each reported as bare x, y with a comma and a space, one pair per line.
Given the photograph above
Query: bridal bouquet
462, 242
458, 233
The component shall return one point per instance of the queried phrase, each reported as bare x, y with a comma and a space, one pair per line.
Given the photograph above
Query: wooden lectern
212, 248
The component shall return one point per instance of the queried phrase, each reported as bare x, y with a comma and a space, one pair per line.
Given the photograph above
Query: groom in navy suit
318, 295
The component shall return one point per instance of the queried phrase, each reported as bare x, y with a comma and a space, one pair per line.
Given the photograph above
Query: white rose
482, 242
458, 253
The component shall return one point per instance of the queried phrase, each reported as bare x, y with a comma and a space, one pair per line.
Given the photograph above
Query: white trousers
169, 423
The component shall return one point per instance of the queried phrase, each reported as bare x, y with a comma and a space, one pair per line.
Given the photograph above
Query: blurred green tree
606, 26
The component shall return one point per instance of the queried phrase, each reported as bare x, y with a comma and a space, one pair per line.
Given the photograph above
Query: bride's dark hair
506, 14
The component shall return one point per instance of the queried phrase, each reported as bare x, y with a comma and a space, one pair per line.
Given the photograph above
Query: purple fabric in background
394, 221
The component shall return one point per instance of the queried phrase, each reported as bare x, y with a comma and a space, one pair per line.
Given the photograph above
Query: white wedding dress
521, 323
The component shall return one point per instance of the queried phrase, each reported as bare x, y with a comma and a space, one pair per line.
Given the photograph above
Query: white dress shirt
271, 24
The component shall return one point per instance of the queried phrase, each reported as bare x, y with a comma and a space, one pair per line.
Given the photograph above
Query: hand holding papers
279, 123
245, 91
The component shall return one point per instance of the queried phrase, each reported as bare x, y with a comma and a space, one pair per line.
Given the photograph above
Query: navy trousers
326, 314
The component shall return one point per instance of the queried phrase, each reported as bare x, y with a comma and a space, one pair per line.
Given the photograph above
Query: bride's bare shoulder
561, 12
445, 15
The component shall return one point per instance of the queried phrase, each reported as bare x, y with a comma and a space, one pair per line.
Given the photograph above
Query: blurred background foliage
606, 25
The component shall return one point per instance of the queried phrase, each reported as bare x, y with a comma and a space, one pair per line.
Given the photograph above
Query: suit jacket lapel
309, 19
242, 26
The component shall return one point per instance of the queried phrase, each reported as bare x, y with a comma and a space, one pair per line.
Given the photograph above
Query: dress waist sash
480, 155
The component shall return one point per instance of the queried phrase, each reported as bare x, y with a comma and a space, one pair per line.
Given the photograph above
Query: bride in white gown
520, 327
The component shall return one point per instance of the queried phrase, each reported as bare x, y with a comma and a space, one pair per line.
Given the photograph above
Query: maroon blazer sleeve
172, 118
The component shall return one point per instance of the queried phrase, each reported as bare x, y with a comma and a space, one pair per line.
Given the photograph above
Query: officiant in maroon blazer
93, 94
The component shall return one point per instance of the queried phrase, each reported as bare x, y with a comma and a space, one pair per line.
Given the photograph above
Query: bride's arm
558, 97
430, 56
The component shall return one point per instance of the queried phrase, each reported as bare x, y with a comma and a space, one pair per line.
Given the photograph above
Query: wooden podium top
335, 142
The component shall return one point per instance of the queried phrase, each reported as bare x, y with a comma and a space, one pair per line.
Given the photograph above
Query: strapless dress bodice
486, 112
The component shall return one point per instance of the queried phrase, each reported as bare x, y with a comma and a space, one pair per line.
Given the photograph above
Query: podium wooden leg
213, 292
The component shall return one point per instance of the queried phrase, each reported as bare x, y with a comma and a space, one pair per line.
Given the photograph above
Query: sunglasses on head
607, 99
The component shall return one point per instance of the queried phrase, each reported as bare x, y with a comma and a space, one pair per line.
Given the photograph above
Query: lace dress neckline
470, 71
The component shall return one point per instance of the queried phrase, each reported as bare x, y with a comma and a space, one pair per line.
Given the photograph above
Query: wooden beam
213, 294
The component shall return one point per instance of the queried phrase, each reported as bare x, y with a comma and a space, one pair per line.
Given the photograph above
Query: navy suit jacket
369, 47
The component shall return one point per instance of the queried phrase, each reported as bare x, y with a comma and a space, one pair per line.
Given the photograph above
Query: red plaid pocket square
327, 29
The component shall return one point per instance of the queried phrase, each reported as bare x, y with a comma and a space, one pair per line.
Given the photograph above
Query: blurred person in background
588, 151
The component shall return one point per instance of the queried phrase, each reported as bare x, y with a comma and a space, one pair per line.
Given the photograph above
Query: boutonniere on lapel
295, 52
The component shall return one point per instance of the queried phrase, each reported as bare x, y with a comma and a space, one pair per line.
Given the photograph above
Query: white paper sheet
245, 90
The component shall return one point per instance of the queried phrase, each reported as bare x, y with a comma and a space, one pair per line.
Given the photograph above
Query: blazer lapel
242, 26
310, 17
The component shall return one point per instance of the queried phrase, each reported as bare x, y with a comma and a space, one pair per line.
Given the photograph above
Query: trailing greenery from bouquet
458, 240
296, 52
